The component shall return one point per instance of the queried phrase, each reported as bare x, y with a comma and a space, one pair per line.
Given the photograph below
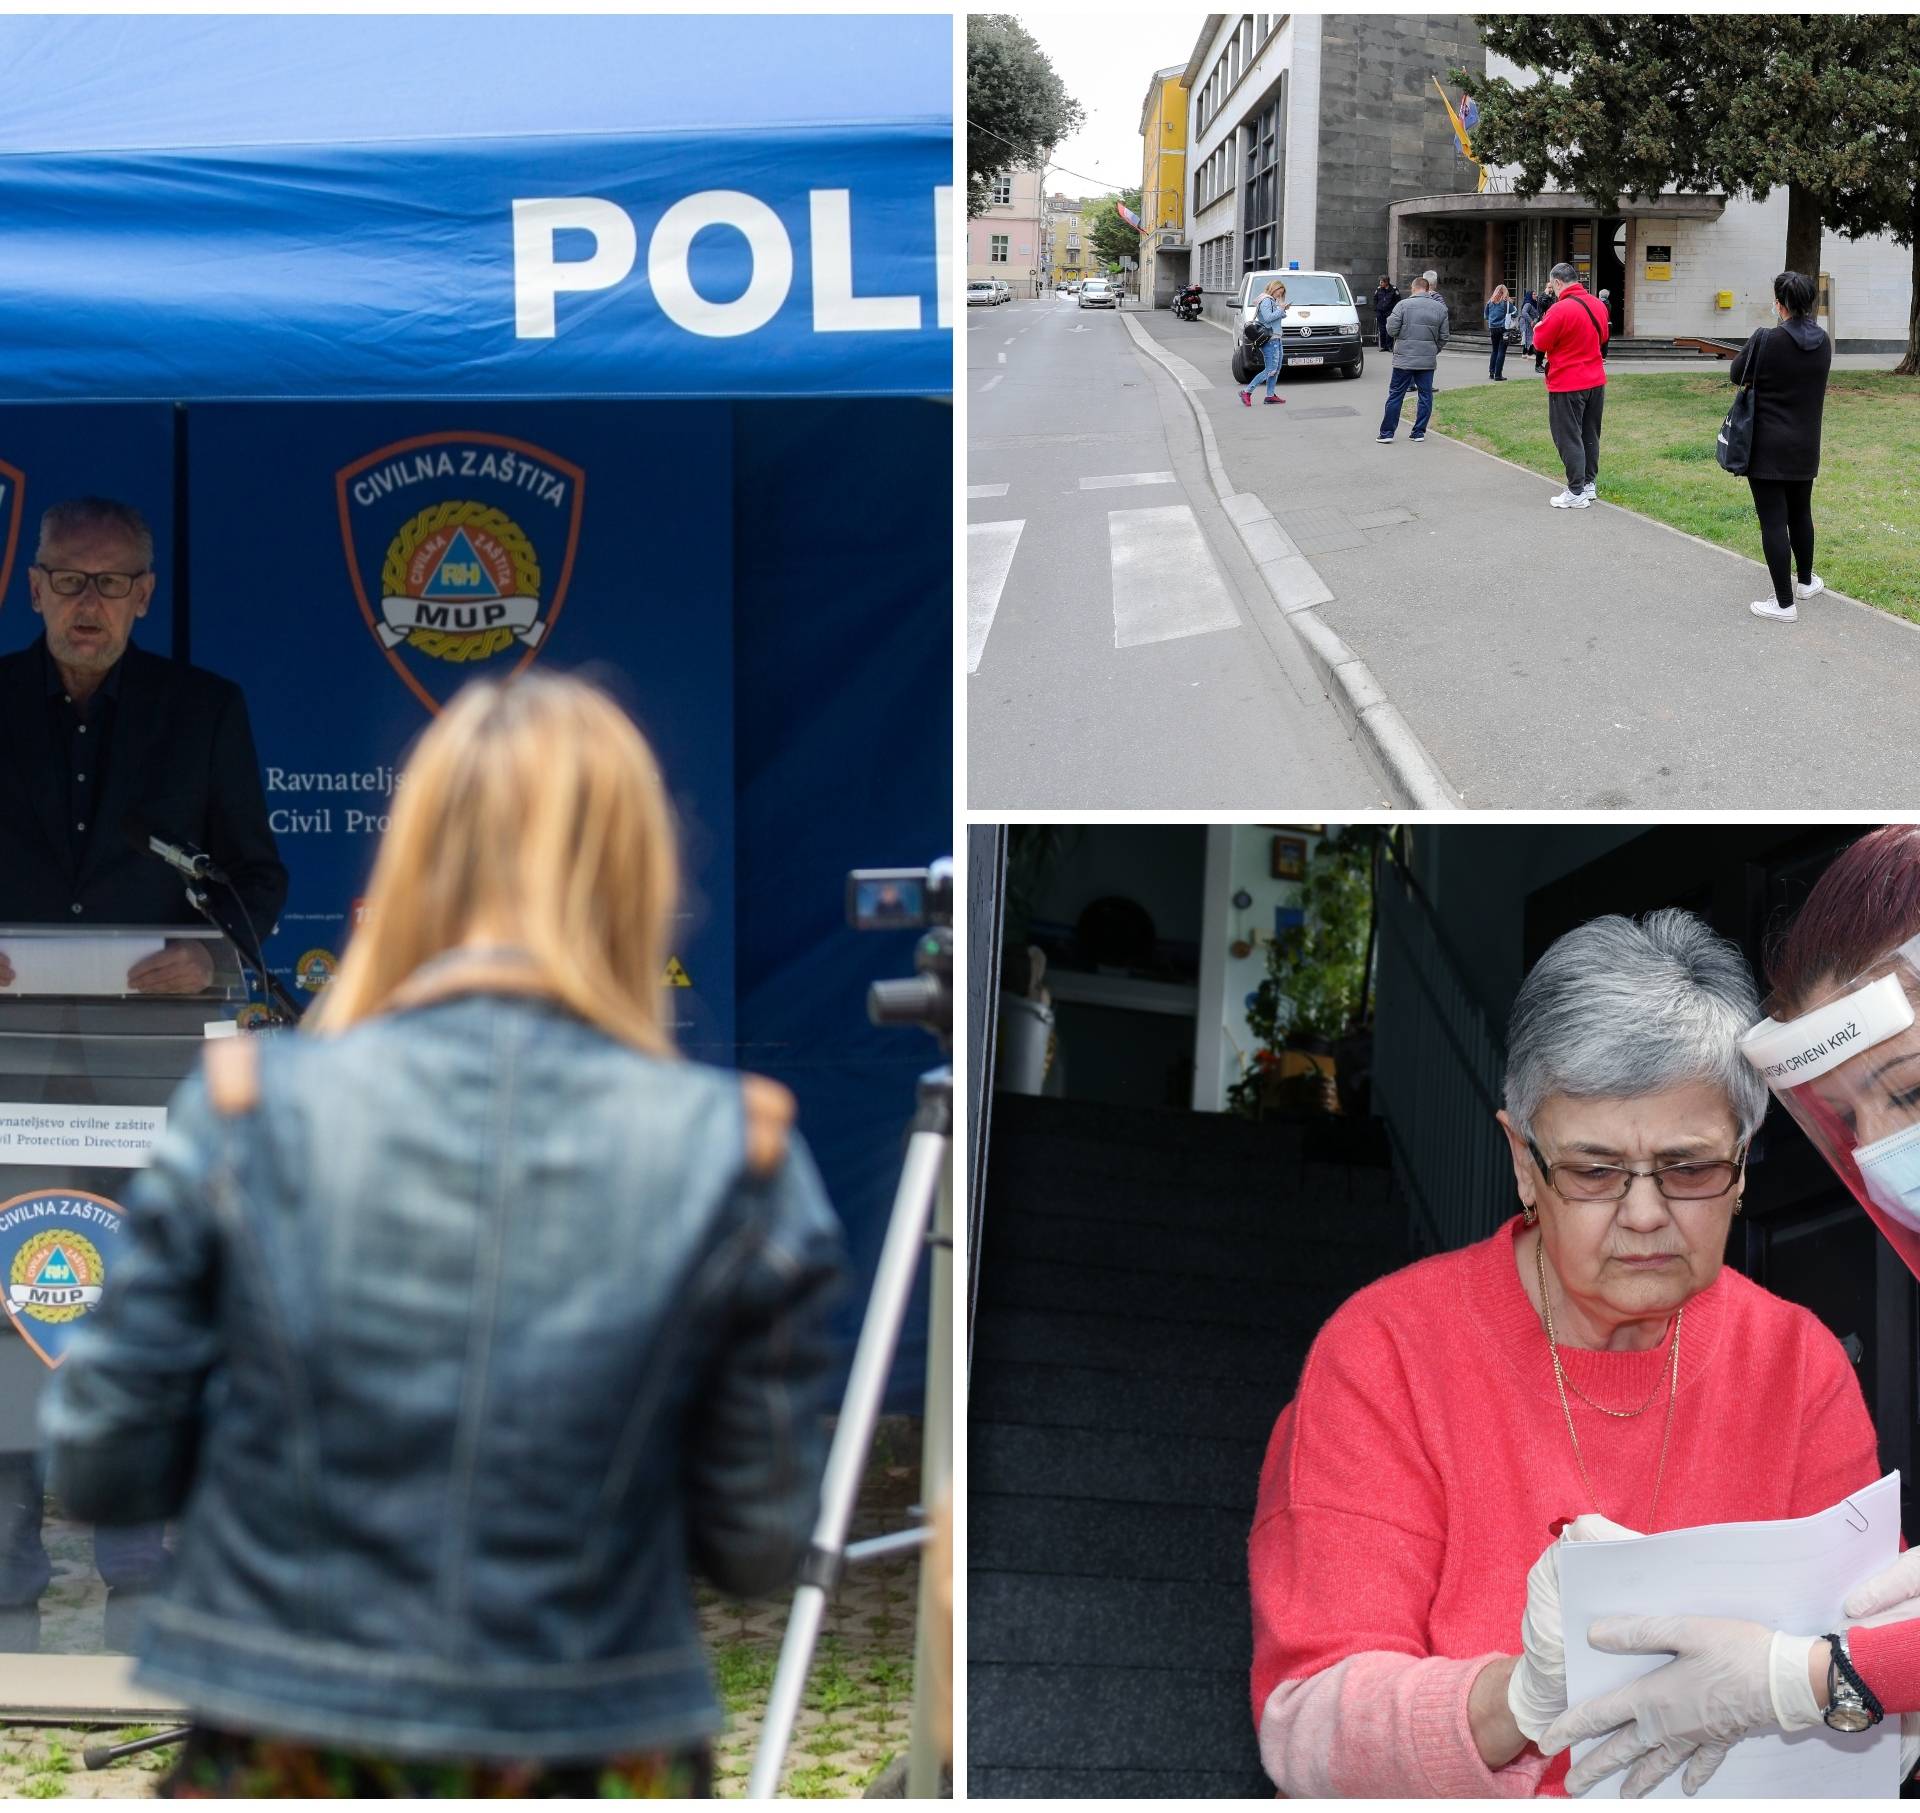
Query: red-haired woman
1841, 1051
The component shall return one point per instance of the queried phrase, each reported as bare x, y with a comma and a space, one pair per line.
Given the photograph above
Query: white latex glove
1896, 1591
1537, 1689
1728, 1678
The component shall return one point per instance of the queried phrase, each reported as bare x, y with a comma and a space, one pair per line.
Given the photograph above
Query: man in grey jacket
1418, 329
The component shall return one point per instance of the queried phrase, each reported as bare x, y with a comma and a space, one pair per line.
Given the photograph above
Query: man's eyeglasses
1692, 1180
70, 582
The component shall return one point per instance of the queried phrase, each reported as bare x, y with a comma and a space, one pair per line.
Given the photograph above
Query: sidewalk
1561, 659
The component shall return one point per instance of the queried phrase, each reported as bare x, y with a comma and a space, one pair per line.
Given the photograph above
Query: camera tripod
922, 1216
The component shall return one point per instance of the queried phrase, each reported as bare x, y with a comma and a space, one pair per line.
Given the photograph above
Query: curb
1296, 589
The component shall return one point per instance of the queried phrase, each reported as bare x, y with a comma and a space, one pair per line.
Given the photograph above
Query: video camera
880, 900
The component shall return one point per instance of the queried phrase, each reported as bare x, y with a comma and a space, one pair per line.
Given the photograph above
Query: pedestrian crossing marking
986, 490
1115, 480
1165, 582
990, 548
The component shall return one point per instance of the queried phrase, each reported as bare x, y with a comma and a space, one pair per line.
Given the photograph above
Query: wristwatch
1851, 1705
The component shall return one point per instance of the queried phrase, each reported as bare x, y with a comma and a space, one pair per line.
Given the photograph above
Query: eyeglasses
70, 582
1693, 1180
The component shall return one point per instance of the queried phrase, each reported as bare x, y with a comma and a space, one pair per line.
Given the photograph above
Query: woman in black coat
1788, 367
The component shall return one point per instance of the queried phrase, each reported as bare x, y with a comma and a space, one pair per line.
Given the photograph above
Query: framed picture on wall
1289, 859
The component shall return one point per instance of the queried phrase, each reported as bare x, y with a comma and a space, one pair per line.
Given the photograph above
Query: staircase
1149, 1282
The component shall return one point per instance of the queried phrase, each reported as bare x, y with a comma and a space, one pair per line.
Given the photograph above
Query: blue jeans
1397, 387
1499, 362
1275, 356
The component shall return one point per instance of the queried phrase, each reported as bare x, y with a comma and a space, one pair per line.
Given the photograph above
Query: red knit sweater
1411, 1484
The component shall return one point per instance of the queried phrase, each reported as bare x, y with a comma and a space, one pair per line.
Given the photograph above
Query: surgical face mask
1848, 1070
1890, 1168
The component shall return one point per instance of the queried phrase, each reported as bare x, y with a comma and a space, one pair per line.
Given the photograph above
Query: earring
1737, 1201
1529, 1214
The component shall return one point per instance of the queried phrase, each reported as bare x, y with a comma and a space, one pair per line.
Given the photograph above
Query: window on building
997, 249
1234, 63
1263, 194
1247, 39
1003, 191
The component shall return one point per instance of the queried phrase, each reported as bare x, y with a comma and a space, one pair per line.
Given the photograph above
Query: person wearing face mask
1840, 1049
1787, 364
1592, 1368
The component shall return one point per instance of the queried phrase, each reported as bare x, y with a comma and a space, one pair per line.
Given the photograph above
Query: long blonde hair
533, 809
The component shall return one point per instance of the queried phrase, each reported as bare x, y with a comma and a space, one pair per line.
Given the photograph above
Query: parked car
1322, 326
1097, 292
983, 293
1005, 289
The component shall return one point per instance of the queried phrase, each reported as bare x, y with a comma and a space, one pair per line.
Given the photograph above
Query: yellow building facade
1163, 186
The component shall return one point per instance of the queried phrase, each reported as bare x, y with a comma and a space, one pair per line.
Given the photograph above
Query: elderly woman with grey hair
1592, 1366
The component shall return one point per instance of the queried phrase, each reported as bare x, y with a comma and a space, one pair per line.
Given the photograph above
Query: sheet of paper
74, 966
1791, 1575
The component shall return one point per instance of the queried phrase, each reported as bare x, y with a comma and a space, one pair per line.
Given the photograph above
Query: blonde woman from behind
460, 1330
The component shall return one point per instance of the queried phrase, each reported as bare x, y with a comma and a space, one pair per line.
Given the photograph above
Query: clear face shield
1848, 1070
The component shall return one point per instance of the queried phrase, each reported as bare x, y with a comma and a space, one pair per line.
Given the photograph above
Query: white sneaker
1591, 491
1766, 607
1570, 500
1812, 589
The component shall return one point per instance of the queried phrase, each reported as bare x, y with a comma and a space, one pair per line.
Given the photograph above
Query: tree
1018, 109
1110, 236
1889, 83
1748, 103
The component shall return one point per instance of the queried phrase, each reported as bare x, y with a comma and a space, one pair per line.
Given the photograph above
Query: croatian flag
1127, 214
1469, 112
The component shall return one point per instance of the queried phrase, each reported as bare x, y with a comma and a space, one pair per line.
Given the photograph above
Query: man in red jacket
1573, 334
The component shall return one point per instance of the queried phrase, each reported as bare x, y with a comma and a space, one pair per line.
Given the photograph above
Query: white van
1322, 327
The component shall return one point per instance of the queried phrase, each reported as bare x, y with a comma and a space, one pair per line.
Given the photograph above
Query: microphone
194, 864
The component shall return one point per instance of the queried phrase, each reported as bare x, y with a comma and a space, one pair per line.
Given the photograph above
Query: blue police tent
433, 346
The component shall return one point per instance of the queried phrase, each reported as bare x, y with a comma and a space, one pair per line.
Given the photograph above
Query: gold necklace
1566, 1409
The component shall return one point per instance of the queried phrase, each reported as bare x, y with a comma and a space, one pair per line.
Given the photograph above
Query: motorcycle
1186, 303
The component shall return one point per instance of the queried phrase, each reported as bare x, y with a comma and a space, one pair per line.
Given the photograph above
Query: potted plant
1315, 988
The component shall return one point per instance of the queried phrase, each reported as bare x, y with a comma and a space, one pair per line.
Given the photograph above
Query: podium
85, 1078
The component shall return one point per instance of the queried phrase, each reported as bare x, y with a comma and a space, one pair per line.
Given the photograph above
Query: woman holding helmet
1841, 1052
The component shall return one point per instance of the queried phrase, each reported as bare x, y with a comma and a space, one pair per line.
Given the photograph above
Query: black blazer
1789, 392
181, 761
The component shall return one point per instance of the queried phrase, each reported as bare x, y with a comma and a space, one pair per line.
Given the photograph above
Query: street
1537, 658
1121, 649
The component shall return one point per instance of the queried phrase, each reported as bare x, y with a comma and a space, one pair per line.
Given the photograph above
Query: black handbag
1256, 333
1734, 447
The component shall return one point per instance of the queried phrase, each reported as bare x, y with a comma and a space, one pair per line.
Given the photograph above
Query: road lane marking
998, 377
1002, 357
1114, 480
1165, 583
986, 490
990, 547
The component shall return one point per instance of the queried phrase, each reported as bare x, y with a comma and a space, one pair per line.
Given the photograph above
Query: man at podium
99, 734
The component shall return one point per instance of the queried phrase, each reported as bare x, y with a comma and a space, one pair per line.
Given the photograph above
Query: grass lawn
1656, 456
